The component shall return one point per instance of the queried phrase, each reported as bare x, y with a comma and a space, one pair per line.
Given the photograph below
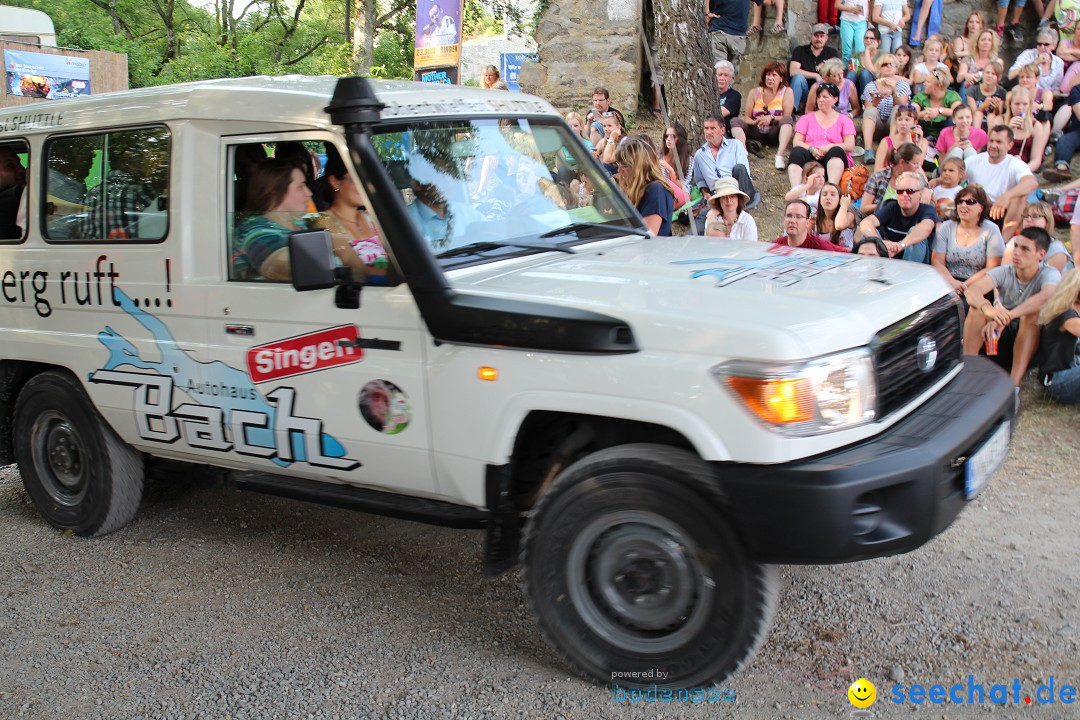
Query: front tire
79, 474
632, 570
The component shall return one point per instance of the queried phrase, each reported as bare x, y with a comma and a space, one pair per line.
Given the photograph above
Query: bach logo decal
303, 354
227, 412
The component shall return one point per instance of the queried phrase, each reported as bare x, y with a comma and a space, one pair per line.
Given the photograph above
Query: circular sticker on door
385, 407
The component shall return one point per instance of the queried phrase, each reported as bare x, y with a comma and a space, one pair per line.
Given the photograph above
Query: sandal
754, 30
657, 112
776, 29
1059, 173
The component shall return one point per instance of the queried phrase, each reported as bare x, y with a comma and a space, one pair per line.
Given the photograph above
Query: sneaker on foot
779, 163
1016, 33
754, 200
1000, 30
869, 156
754, 148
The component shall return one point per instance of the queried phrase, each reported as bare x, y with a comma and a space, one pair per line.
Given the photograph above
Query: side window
108, 187
14, 161
281, 187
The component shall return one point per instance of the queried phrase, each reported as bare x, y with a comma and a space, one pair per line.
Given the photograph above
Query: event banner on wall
40, 75
438, 34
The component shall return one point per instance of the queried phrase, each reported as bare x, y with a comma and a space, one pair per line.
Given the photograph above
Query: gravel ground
217, 603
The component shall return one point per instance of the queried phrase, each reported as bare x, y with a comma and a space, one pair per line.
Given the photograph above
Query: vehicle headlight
829, 393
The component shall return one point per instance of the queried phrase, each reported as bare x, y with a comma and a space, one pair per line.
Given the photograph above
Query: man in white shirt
721, 157
1006, 178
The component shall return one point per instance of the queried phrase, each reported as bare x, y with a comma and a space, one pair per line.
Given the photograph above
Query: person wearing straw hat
727, 216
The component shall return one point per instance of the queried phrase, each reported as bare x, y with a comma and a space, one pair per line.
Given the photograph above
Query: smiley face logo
862, 693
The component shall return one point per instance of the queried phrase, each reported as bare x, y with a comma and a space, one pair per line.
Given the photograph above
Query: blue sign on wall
511, 67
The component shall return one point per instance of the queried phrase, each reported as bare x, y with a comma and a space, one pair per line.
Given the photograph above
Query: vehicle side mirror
311, 258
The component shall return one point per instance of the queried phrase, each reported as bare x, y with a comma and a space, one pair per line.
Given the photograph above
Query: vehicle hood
720, 297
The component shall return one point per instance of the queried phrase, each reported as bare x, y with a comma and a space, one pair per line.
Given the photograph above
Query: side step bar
432, 512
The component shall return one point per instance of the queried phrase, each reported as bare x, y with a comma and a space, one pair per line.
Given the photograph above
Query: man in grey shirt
1023, 288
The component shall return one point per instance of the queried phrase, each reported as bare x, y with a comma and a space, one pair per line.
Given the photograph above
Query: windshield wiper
478, 247
576, 228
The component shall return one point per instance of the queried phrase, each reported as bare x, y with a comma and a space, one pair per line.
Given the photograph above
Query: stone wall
584, 44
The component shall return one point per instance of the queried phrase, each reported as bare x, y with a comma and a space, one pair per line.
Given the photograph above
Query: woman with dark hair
677, 150
767, 117
640, 178
969, 245
277, 197
835, 219
823, 135
354, 238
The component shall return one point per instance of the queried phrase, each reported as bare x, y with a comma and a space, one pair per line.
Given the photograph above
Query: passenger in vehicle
437, 220
114, 204
302, 158
12, 183
245, 159
355, 239
278, 198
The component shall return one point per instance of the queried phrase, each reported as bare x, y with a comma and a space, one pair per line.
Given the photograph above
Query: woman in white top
727, 216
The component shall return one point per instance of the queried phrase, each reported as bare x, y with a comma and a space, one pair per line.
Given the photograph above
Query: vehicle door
304, 397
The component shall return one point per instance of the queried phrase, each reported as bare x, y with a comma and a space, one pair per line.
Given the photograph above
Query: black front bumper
884, 496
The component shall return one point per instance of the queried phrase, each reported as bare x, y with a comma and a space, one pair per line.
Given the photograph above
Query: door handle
371, 344
243, 330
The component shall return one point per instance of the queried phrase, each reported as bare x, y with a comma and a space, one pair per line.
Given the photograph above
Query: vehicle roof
295, 99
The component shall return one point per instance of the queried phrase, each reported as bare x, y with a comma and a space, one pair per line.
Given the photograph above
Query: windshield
483, 189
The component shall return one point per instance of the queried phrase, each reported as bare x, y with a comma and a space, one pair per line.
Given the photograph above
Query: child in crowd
947, 185
813, 178
988, 97
961, 139
853, 16
904, 128
932, 52
904, 56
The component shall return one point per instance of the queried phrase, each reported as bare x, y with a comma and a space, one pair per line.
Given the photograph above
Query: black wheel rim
640, 582
59, 458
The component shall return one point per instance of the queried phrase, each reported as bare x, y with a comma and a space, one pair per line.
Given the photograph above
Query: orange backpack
853, 181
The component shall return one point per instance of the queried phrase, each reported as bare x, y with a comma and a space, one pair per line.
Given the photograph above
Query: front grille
896, 353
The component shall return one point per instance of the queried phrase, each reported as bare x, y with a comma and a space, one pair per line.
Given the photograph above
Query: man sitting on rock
1024, 287
1006, 179
721, 157
805, 60
906, 222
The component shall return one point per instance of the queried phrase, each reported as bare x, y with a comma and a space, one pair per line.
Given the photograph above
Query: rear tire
632, 570
79, 474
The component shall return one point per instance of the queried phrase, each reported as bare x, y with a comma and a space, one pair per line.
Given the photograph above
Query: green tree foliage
171, 41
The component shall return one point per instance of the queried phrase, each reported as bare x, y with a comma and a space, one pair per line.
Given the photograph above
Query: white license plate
981, 466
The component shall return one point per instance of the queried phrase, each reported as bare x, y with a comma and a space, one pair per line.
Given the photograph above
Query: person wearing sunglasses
970, 244
905, 223
1042, 54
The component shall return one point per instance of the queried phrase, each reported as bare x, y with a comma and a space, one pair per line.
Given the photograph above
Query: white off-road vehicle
645, 424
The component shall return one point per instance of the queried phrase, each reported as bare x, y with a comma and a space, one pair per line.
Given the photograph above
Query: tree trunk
363, 39
684, 57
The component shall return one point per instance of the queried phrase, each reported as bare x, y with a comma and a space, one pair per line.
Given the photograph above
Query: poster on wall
438, 34
511, 63
40, 75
